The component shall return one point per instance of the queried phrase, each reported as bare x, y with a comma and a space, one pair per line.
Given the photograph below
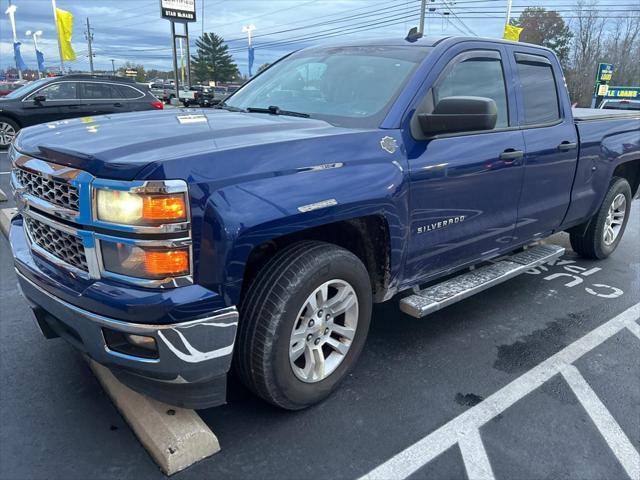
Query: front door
59, 97
465, 187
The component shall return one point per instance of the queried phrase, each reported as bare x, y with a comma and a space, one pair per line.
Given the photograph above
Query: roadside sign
605, 72
131, 73
603, 77
623, 92
178, 10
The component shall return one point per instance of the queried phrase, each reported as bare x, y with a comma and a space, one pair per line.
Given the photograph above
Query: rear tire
607, 225
8, 130
291, 331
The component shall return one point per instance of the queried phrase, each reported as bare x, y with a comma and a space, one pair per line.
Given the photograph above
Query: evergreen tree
212, 60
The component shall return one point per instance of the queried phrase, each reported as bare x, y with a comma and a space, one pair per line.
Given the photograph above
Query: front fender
240, 217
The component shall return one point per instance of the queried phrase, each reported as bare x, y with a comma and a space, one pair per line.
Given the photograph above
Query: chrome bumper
196, 351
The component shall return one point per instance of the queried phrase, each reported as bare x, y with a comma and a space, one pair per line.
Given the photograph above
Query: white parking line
476, 461
423, 451
614, 436
635, 329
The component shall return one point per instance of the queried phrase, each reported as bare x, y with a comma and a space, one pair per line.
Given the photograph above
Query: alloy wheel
7, 134
615, 219
323, 331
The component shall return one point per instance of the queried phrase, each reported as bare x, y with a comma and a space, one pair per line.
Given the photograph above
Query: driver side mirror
459, 114
39, 99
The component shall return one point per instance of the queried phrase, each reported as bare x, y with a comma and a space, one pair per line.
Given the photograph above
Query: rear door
100, 98
464, 189
551, 142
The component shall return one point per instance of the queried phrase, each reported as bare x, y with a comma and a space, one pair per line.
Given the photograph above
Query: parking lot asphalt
444, 384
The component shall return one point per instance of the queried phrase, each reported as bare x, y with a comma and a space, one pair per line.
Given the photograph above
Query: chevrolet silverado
256, 237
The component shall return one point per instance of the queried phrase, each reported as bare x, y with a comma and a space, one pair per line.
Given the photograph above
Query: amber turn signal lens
166, 262
163, 208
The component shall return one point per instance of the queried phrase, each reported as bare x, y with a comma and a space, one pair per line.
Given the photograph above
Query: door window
99, 91
59, 91
128, 92
539, 90
477, 76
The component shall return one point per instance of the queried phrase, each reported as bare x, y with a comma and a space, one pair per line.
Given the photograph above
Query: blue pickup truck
256, 237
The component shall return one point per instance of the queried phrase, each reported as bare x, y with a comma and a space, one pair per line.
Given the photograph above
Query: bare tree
622, 48
597, 39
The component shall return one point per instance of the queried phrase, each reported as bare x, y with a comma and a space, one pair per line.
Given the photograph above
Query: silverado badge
389, 144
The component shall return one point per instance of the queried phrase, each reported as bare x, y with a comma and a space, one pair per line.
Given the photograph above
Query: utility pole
113, 66
423, 8
89, 36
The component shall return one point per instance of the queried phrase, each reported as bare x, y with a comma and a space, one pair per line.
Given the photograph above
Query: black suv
70, 96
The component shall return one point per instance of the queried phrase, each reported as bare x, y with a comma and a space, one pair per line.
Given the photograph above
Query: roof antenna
413, 35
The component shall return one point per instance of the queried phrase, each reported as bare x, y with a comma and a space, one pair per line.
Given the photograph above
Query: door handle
73, 107
566, 146
510, 155
117, 104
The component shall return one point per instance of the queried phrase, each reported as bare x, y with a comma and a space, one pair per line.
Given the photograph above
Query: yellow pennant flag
512, 33
64, 21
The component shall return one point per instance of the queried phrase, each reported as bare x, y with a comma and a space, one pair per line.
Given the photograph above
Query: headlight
145, 262
122, 207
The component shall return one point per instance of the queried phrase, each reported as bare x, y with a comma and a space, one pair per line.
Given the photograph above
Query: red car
7, 87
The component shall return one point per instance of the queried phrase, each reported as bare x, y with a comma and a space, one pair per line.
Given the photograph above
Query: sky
132, 30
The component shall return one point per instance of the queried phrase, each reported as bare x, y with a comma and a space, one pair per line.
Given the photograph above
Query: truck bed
588, 114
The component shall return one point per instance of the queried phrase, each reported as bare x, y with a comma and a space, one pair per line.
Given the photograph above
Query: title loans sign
178, 10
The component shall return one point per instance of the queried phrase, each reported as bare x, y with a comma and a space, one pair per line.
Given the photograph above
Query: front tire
607, 226
303, 324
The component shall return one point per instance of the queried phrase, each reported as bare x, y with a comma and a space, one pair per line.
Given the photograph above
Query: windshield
346, 86
26, 89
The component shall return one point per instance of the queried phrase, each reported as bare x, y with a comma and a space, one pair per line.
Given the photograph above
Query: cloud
132, 30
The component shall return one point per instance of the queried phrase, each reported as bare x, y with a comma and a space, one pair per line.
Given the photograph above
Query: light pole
11, 11
248, 29
35, 35
508, 17
423, 7
55, 19
113, 66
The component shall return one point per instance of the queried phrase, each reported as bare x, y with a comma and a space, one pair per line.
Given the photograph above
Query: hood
120, 146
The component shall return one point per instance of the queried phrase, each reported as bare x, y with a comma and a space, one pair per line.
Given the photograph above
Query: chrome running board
450, 291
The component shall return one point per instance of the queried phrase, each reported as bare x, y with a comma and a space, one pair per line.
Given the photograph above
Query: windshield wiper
273, 110
222, 106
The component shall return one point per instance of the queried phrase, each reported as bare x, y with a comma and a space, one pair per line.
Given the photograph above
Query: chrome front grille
61, 245
54, 191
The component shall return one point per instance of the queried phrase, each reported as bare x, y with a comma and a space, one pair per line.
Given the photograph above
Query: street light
11, 11
248, 29
35, 35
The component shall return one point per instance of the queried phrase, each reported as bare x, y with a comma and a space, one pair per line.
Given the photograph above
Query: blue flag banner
251, 58
20, 65
40, 57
